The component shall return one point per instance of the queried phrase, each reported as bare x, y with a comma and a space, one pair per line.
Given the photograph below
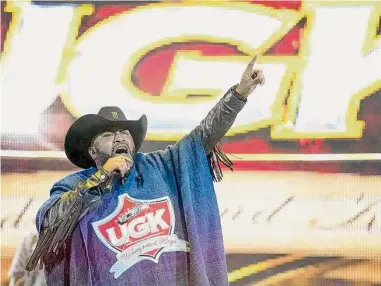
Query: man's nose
119, 137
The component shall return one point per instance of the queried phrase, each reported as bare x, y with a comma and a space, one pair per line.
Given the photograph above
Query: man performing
139, 219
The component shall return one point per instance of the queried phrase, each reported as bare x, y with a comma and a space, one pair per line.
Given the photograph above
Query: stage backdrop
303, 202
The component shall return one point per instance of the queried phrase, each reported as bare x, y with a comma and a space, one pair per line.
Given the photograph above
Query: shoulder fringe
215, 158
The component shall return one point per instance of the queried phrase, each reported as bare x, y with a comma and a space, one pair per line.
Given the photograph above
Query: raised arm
220, 118
223, 114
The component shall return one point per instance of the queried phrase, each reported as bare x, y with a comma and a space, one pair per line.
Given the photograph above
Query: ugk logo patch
139, 230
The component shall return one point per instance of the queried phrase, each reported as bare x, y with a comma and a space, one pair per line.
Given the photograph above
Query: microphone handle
115, 175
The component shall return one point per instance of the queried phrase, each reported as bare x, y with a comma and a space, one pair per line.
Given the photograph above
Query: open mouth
121, 151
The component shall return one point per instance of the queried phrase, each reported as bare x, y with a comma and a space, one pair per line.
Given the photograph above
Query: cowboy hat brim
85, 128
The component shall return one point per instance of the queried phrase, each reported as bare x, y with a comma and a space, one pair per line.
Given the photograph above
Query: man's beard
101, 158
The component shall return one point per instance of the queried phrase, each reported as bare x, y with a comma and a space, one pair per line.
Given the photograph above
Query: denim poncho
163, 229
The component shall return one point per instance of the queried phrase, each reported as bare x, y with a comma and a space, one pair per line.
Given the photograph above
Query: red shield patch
134, 221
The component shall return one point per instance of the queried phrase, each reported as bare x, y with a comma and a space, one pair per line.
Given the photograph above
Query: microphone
115, 175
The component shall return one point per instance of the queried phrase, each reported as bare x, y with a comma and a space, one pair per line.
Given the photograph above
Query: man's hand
120, 164
250, 79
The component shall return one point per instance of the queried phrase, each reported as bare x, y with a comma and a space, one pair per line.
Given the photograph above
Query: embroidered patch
139, 230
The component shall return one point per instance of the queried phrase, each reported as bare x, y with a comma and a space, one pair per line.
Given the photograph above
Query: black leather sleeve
60, 219
220, 118
58, 210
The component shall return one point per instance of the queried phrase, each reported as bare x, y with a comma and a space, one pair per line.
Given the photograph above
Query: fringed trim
215, 158
52, 239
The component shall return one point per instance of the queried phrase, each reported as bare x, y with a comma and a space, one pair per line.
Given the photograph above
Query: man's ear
92, 152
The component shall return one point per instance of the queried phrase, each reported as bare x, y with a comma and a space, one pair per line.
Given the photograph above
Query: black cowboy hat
85, 128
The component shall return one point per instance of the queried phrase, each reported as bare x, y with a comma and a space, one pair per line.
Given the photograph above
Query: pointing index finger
251, 64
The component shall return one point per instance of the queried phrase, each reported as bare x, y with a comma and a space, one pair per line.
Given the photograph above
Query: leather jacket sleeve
220, 118
58, 210
59, 220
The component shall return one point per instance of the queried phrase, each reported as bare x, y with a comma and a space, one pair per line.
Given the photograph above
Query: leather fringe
52, 239
215, 158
